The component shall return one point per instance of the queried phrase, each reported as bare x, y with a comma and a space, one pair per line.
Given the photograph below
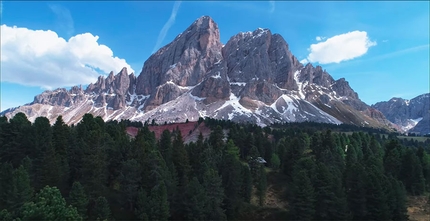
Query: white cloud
272, 6
41, 58
320, 38
167, 26
64, 18
340, 48
304, 61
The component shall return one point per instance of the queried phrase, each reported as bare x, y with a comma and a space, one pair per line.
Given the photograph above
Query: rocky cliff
411, 115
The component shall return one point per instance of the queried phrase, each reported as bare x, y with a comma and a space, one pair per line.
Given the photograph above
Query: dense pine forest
95, 171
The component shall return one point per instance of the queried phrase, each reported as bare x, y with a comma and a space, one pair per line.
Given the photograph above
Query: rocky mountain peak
184, 62
412, 115
254, 77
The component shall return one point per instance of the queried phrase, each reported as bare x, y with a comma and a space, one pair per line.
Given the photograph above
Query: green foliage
49, 205
399, 210
261, 185
275, 162
158, 206
78, 199
356, 191
324, 195
102, 209
359, 176
142, 205
302, 204
246, 189
195, 201
6, 185
412, 173
232, 183
212, 185
376, 203
129, 178
5, 215
22, 190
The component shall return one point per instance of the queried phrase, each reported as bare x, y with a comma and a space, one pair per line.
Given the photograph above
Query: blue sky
380, 47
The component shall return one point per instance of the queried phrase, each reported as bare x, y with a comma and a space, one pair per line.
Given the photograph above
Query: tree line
94, 171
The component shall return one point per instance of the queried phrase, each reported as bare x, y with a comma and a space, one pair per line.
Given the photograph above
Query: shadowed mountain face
411, 115
252, 78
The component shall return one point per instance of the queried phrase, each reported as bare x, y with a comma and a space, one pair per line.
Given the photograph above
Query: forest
95, 171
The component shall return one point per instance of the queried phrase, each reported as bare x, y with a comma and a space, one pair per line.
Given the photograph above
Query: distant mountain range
411, 115
252, 78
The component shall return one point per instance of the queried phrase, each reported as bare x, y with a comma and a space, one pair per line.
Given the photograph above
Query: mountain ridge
252, 78
411, 115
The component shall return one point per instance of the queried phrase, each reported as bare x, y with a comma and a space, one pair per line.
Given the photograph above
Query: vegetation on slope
94, 170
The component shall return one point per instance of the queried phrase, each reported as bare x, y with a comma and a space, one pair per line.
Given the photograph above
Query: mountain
253, 78
411, 115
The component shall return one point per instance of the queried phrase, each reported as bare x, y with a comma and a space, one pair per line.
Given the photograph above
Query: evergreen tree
180, 157
157, 203
60, 133
78, 199
302, 204
102, 209
246, 190
376, 204
412, 173
195, 201
142, 205
16, 139
275, 162
231, 181
261, 185
49, 169
355, 191
212, 184
6, 215
400, 211
27, 163
94, 163
130, 178
331, 203
22, 190
43, 153
392, 158
165, 146
49, 205
6, 185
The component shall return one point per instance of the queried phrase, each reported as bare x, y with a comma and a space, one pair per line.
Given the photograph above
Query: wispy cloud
272, 6
383, 56
57, 62
339, 48
400, 52
167, 26
64, 18
320, 38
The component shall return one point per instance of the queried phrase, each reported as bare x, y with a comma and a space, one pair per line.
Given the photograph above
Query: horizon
67, 46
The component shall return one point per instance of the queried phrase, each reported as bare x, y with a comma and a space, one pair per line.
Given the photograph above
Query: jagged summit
411, 115
253, 77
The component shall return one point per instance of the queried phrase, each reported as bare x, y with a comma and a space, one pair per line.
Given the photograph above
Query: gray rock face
60, 97
184, 62
260, 55
252, 78
406, 113
114, 90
